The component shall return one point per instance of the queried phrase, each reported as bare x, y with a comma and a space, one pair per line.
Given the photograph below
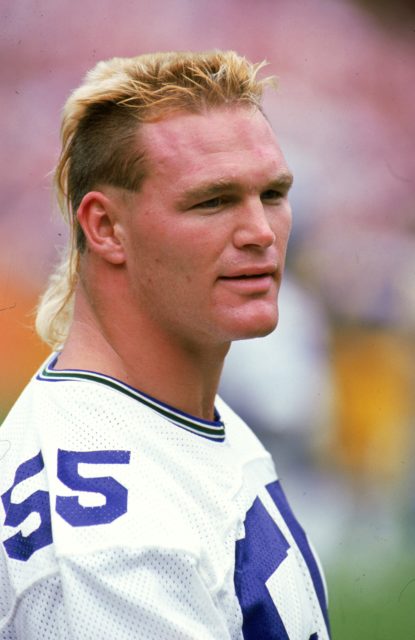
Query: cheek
169, 262
282, 229
174, 251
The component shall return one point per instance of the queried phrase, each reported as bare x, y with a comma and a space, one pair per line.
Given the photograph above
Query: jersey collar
212, 430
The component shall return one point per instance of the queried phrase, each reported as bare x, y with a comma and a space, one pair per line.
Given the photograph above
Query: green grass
373, 598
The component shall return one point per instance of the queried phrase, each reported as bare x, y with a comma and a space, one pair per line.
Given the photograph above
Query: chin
256, 326
258, 332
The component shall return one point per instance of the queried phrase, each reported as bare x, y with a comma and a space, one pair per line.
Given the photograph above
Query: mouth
245, 276
250, 281
251, 273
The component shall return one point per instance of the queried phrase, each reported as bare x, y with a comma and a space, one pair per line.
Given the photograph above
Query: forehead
227, 143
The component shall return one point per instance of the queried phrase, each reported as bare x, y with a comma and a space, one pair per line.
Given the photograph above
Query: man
135, 504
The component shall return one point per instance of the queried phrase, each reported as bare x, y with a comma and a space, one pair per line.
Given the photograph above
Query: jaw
251, 319
246, 309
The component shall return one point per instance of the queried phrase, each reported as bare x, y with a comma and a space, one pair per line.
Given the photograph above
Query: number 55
115, 493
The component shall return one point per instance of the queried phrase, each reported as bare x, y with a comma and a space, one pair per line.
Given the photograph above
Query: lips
251, 281
247, 273
246, 276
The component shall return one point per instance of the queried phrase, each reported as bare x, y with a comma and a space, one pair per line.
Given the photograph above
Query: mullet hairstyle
100, 144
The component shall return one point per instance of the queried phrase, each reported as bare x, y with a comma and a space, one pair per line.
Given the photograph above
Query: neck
137, 352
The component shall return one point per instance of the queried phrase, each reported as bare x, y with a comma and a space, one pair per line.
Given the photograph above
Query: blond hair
100, 145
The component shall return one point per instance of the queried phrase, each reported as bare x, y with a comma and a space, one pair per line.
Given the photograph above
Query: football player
134, 502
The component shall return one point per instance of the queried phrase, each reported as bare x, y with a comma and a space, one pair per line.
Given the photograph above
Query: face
206, 236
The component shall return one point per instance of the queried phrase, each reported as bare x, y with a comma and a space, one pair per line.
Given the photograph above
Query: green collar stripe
211, 430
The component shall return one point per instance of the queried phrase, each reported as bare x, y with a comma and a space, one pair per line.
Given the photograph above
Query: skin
174, 273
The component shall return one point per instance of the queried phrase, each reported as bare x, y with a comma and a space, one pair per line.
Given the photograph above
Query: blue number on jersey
256, 560
258, 557
298, 533
19, 546
115, 493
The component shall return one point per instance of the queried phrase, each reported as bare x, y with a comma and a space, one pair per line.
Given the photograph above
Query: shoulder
238, 434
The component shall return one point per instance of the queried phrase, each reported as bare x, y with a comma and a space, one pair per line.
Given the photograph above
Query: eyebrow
282, 181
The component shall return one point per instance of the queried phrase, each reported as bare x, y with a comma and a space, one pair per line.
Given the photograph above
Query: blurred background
331, 392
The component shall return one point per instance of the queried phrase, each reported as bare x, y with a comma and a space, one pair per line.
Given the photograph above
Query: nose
253, 226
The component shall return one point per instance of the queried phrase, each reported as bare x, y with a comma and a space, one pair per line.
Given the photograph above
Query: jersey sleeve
151, 594
38, 614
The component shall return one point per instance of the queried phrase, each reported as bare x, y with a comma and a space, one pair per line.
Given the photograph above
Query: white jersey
124, 518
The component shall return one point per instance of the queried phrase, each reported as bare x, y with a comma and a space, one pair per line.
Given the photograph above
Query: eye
271, 195
213, 203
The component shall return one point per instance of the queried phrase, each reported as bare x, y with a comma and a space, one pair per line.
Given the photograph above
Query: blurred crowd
331, 392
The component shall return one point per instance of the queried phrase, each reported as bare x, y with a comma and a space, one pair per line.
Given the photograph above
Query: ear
98, 216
